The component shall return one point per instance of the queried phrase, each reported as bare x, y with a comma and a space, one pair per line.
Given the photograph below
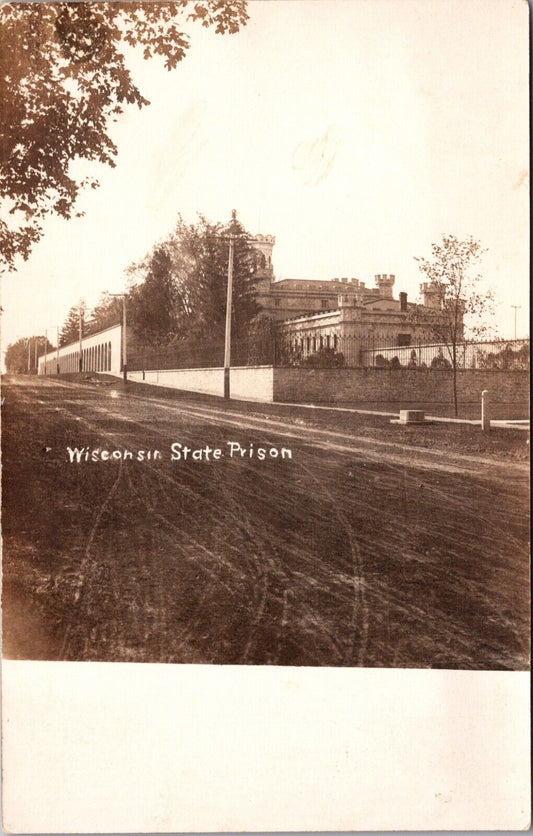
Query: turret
347, 300
431, 295
385, 283
263, 245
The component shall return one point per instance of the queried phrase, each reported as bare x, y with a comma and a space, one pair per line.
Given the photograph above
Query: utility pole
81, 337
46, 352
229, 300
124, 335
36, 355
516, 308
29, 354
57, 358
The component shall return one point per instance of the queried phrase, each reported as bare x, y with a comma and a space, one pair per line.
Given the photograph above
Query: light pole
516, 308
229, 300
124, 337
229, 305
81, 337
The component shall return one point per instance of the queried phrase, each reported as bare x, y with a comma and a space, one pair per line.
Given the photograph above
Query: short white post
485, 411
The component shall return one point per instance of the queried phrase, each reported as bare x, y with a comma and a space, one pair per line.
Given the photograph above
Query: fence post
485, 411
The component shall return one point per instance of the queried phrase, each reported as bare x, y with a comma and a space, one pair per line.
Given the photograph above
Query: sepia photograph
265, 341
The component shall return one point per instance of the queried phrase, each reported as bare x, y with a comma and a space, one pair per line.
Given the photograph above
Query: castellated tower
263, 245
385, 284
431, 295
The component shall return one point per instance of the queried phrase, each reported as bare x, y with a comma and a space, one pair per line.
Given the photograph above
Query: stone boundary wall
401, 386
395, 389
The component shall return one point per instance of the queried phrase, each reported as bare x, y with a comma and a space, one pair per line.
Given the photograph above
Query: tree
64, 80
200, 253
180, 290
106, 313
70, 331
324, 358
17, 354
455, 284
153, 304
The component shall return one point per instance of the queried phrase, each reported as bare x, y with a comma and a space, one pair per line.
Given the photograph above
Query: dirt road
338, 545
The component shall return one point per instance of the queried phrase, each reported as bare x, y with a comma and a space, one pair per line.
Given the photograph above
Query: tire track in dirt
433, 459
288, 575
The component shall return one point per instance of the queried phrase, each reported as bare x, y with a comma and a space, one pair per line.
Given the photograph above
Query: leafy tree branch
64, 81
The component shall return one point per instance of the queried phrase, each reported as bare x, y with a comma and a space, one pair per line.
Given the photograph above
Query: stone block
411, 416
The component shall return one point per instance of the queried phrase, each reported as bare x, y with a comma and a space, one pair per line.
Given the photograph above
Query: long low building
101, 352
361, 323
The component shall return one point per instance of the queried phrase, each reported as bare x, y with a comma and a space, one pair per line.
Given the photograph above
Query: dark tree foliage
64, 80
106, 313
324, 358
17, 354
181, 286
70, 331
201, 251
153, 305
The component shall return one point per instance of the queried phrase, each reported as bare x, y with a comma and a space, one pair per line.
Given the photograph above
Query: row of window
314, 343
309, 344
97, 358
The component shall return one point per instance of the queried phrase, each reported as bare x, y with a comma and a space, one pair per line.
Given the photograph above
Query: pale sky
355, 131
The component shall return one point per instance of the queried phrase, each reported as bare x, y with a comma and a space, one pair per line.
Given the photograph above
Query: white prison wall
101, 352
248, 383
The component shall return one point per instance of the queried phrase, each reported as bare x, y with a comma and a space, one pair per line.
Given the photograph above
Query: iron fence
202, 354
330, 351
351, 351
496, 354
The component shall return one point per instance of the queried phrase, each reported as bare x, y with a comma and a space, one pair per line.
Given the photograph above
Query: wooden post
80, 364
485, 411
124, 343
227, 344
